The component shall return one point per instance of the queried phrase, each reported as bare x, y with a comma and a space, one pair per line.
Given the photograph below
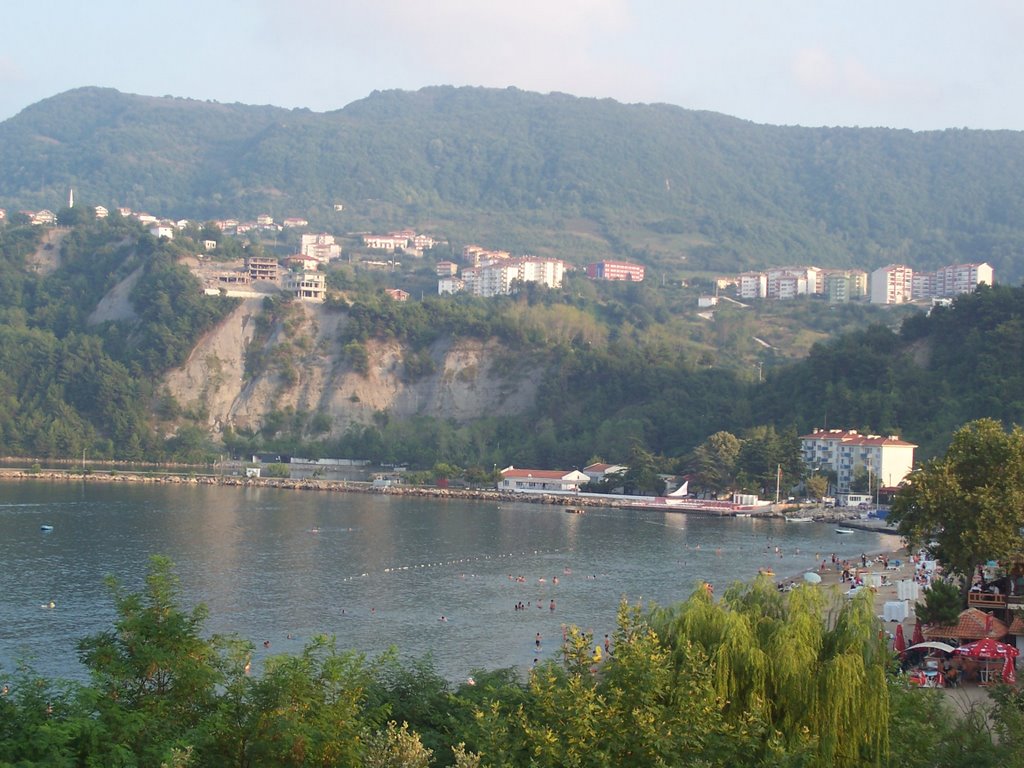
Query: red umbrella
987, 648
918, 636
1009, 673
899, 644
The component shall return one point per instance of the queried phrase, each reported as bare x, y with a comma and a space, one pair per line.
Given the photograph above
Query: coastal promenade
580, 500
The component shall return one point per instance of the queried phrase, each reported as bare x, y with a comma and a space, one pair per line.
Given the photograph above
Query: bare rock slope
303, 366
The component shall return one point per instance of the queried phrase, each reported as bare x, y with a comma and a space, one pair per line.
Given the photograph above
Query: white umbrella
812, 578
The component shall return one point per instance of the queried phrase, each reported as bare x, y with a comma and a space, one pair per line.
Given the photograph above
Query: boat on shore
799, 519
844, 530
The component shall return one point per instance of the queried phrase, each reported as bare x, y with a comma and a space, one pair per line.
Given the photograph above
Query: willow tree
969, 505
809, 666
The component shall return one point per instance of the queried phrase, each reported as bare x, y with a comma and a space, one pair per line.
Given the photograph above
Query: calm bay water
375, 571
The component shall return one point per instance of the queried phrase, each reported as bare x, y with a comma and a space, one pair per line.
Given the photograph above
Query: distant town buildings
846, 453
891, 284
615, 270
503, 277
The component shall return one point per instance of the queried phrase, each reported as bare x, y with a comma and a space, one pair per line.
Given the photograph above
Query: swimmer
266, 643
536, 642
552, 606
443, 618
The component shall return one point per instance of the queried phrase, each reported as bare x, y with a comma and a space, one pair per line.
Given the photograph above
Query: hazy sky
919, 64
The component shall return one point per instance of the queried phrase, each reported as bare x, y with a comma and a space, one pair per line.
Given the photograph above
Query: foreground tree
969, 505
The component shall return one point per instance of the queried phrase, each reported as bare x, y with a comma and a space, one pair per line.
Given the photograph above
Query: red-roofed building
615, 270
541, 480
887, 460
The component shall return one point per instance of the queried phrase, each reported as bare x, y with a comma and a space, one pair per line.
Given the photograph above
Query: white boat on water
844, 530
799, 519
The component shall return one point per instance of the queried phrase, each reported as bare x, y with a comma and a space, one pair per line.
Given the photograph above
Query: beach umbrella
812, 578
987, 648
918, 637
1009, 673
899, 644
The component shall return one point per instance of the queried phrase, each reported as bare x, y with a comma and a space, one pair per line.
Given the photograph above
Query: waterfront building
886, 459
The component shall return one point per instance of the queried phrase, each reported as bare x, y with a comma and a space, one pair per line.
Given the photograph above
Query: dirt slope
310, 373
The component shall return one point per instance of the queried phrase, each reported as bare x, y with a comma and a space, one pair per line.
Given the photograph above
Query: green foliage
970, 503
941, 605
542, 174
759, 678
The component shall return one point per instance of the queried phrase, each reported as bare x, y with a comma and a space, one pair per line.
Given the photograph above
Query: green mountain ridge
682, 191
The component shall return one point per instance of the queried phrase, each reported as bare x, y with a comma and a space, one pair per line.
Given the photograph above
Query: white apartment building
952, 280
892, 284
846, 452
752, 285
499, 278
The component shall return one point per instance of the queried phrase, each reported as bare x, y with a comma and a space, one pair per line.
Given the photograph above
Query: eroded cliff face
306, 368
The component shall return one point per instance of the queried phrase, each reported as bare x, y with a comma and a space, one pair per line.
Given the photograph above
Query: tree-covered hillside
619, 370
682, 191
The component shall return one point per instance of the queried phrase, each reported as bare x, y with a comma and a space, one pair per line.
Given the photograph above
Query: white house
541, 480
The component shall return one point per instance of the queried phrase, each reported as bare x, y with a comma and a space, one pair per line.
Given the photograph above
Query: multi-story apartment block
615, 270
886, 459
841, 285
262, 268
952, 280
752, 285
306, 286
446, 268
500, 278
892, 284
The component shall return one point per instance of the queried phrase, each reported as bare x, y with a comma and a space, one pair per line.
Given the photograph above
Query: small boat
576, 511
844, 530
799, 519
742, 514
46, 528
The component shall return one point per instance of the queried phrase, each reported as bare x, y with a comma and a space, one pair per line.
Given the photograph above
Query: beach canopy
899, 644
812, 578
918, 636
987, 648
933, 645
1009, 673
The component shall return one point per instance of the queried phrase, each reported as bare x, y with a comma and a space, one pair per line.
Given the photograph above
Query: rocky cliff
305, 368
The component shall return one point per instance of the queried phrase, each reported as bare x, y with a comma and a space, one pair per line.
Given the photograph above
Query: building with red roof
886, 459
541, 480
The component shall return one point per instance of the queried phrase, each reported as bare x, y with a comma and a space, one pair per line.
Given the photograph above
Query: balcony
985, 600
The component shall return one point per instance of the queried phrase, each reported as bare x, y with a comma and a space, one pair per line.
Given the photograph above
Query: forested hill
682, 191
936, 373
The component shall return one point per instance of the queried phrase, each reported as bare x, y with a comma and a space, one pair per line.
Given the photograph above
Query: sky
916, 64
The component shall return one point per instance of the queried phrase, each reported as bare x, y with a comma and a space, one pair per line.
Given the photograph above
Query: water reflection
281, 566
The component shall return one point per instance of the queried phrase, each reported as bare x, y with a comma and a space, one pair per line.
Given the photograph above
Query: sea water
277, 567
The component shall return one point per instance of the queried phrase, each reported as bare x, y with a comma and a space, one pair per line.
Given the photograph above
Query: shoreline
156, 477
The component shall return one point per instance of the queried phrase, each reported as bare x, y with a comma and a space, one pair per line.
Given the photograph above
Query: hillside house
306, 286
262, 268
397, 294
